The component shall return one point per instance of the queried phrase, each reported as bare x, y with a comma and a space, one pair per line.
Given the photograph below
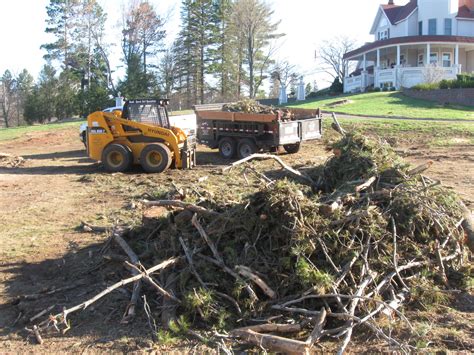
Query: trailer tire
292, 148
227, 147
117, 158
155, 158
246, 147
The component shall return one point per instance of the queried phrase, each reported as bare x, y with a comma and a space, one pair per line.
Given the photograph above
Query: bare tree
331, 53
433, 73
285, 73
252, 21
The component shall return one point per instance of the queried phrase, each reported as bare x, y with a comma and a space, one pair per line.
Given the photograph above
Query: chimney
391, 2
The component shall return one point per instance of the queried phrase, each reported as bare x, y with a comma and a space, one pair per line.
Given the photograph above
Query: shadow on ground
65, 282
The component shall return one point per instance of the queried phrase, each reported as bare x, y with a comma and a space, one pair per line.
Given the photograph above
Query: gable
380, 21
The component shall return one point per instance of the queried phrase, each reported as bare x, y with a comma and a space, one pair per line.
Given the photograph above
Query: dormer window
383, 35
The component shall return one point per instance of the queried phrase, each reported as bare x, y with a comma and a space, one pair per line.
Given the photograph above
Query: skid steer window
148, 113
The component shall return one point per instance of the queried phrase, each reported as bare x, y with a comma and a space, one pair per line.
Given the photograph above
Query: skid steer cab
139, 134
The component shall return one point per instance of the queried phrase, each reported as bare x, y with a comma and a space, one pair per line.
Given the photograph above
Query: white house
422, 41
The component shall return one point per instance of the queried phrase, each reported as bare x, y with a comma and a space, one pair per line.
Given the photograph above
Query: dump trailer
139, 134
242, 134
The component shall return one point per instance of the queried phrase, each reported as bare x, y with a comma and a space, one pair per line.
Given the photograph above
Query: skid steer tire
155, 158
117, 158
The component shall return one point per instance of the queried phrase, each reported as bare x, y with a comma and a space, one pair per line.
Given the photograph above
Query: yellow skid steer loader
139, 134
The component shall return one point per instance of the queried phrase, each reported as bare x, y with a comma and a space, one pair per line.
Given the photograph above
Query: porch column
428, 52
363, 78
456, 55
398, 55
376, 70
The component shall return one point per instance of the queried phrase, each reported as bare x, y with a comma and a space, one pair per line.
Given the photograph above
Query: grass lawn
15, 132
433, 133
390, 104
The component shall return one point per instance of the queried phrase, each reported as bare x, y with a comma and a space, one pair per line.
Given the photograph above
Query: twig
130, 310
336, 126
150, 319
62, 317
247, 272
318, 328
352, 309
181, 204
366, 184
153, 283
439, 258
43, 312
288, 168
420, 168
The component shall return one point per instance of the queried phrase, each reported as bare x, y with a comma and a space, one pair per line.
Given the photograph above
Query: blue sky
306, 24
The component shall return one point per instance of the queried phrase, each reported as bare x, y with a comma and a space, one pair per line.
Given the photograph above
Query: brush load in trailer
260, 128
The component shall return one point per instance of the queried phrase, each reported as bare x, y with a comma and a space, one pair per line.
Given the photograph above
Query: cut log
272, 342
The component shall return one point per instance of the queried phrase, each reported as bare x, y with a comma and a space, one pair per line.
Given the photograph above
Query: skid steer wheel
292, 148
117, 158
227, 147
246, 148
155, 158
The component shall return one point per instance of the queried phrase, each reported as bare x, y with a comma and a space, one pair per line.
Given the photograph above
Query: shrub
336, 86
377, 89
393, 88
426, 87
385, 88
445, 84
319, 93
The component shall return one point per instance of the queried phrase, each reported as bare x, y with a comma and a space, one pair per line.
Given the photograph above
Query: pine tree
61, 22
24, 86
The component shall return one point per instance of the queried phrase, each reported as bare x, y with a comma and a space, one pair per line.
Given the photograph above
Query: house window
432, 27
421, 59
434, 58
448, 26
420, 28
446, 60
383, 35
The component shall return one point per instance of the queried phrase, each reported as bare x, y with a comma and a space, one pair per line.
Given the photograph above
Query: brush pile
374, 239
10, 160
252, 106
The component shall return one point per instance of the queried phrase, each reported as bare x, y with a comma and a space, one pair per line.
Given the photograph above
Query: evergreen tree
24, 86
7, 96
61, 22
228, 55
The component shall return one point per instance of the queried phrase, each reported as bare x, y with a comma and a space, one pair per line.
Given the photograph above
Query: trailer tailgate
311, 129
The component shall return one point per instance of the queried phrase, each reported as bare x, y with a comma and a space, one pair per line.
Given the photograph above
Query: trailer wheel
117, 158
292, 148
227, 147
246, 148
155, 158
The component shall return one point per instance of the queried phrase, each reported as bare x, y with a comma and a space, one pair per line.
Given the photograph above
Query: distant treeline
225, 50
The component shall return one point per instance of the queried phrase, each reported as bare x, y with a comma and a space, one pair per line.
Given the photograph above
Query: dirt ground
43, 202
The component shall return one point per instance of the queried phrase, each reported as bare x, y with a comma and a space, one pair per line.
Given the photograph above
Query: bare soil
43, 202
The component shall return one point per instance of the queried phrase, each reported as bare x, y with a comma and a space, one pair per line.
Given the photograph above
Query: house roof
408, 39
396, 13
465, 12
